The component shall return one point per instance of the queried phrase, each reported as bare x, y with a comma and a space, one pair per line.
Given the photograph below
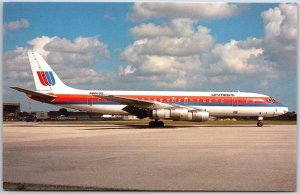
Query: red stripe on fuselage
169, 99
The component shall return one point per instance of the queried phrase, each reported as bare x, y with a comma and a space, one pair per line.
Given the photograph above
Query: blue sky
71, 20
142, 47
108, 20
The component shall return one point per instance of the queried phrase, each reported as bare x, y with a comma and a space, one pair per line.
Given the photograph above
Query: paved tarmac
114, 157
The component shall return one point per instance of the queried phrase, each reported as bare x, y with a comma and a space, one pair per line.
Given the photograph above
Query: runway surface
121, 157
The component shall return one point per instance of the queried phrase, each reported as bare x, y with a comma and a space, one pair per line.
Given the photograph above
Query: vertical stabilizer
44, 77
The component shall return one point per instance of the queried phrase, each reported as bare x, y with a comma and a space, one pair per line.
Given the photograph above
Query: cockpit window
272, 100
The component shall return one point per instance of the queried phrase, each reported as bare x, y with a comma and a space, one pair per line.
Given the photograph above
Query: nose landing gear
156, 123
259, 122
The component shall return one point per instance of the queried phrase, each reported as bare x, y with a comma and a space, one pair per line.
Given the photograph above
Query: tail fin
44, 77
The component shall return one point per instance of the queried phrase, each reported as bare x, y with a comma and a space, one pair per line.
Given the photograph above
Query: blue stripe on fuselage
183, 104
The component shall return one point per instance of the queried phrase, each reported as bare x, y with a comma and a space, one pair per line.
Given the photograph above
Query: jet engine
180, 114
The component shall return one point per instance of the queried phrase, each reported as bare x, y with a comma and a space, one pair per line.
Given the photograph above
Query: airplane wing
146, 104
141, 108
47, 97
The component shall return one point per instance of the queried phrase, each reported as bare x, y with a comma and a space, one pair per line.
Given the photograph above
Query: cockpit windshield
272, 100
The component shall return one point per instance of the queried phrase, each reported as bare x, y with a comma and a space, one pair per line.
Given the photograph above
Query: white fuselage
216, 103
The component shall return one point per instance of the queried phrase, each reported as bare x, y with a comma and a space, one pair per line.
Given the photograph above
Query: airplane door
235, 106
234, 101
90, 100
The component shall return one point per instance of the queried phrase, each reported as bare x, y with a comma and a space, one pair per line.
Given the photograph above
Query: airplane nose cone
281, 111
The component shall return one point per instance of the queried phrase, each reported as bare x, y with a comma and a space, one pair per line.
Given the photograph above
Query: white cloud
79, 45
195, 11
175, 54
231, 58
168, 59
17, 68
273, 20
186, 61
150, 30
126, 70
39, 43
68, 58
220, 79
280, 42
281, 21
169, 64
178, 80
264, 83
199, 41
17, 25
176, 27
83, 51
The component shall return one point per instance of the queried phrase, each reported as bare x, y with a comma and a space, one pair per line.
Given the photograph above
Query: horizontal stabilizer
47, 97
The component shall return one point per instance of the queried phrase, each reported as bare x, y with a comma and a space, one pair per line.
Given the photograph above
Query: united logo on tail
46, 78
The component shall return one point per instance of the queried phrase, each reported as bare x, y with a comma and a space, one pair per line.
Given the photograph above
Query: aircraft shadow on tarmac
167, 127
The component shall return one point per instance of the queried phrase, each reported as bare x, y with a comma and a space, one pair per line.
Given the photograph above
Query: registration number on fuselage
96, 93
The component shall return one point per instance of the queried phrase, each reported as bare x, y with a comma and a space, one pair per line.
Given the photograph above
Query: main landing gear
259, 122
156, 123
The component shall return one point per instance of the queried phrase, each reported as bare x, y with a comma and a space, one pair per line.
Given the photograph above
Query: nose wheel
259, 122
156, 124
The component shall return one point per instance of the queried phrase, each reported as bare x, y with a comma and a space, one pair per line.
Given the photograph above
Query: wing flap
148, 104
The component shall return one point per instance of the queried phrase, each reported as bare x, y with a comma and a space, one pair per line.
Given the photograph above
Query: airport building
11, 111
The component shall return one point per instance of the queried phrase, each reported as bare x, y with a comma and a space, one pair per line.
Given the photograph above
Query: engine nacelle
180, 114
200, 116
161, 114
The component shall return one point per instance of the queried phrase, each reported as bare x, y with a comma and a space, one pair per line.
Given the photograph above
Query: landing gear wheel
260, 124
160, 124
156, 123
151, 124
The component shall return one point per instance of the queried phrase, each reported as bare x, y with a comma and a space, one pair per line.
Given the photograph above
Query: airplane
156, 105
